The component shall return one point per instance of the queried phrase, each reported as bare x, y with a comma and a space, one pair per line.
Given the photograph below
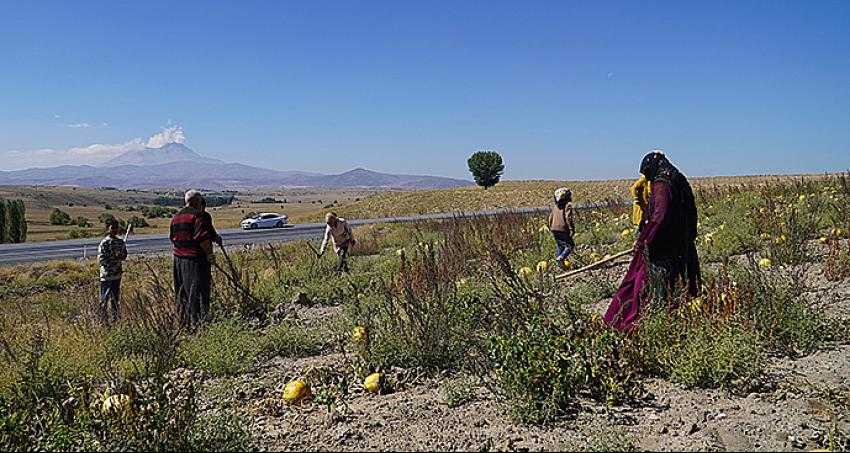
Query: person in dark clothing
192, 236
665, 250
674, 245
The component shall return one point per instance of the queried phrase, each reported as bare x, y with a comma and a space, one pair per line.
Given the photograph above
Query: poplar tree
4, 230
14, 223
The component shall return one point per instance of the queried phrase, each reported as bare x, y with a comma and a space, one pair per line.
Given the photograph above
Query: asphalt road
77, 249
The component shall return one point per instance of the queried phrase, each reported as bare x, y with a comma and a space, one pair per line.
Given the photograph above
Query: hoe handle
595, 265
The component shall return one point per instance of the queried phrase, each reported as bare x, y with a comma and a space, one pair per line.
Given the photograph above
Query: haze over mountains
175, 165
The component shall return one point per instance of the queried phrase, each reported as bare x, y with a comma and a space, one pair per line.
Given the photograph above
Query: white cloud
84, 125
173, 134
94, 154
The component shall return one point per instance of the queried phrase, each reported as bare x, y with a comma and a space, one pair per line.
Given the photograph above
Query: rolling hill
178, 166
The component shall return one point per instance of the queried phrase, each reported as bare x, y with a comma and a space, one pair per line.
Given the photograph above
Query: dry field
478, 347
309, 205
91, 203
521, 194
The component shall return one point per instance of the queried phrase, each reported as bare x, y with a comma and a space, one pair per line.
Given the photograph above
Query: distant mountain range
178, 166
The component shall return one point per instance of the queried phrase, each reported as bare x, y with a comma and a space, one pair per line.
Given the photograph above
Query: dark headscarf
656, 166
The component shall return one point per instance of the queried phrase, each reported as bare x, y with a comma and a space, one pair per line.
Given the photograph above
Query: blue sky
564, 90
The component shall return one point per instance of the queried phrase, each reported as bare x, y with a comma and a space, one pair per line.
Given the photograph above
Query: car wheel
279, 224
254, 226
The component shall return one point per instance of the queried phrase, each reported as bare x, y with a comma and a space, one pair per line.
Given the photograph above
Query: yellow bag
640, 191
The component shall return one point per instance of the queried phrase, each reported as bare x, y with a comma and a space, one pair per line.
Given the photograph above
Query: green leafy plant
486, 167
59, 217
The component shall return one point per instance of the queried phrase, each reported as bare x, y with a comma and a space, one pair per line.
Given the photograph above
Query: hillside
177, 166
171, 152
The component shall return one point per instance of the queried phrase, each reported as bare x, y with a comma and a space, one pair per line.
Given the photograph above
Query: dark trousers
192, 287
110, 299
342, 258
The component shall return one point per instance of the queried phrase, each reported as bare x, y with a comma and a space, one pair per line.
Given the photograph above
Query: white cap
191, 194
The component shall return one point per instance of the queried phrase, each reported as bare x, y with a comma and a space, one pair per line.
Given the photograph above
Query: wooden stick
315, 252
233, 277
594, 265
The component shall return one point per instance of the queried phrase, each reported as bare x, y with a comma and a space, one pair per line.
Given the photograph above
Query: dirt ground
798, 404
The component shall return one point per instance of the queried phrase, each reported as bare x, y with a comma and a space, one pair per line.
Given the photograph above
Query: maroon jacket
189, 228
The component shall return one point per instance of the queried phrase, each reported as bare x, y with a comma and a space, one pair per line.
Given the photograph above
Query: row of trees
13, 221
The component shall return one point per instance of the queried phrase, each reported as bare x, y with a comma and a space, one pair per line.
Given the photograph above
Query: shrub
105, 217
289, 340
457, 392
419, 319
137, 222
544, 351
77, 233
82, 222
773, 303
222, 348
221, 432
696, 351
611, 441
544, 366
59, 217
48, 410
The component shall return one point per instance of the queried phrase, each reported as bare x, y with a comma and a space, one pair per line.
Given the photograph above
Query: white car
265, 220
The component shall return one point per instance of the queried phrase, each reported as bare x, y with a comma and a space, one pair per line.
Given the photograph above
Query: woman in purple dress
665, 253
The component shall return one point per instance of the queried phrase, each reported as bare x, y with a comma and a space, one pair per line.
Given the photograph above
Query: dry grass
301, 204
439, 296
519, 194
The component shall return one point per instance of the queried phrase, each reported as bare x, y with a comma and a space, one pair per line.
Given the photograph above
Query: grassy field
437, 310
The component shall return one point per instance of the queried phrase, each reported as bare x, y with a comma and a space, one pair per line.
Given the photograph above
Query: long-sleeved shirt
666, 231
191, 233
111, 252
562, 220
640, 191
339, 234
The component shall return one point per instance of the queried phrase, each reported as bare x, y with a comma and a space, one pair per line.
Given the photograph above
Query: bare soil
800, 401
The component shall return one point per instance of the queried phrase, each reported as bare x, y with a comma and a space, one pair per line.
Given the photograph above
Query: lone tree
486, 167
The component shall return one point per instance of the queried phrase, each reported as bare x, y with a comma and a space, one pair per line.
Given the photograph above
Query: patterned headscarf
563, 195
